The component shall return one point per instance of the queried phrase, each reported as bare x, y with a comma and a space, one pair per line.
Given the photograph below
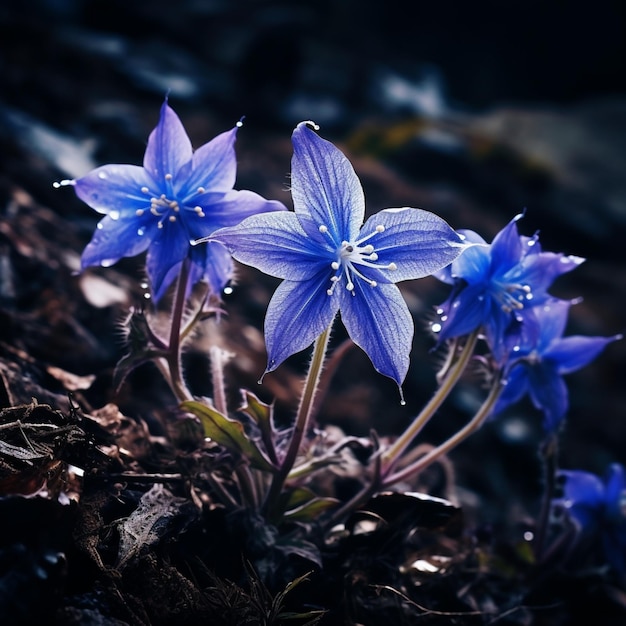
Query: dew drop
531, 242
528, 536
102, 175
436, 328
62, 183
228, 291
439, 311
516, 348
100, 226
107, 262
144, 285
444, 318
141, 232
114, 215
147, 296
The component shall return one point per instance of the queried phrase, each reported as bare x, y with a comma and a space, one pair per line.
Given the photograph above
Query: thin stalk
217, 378
549, 453
247, 488
442, 449
392, 455
305, 410
174, 353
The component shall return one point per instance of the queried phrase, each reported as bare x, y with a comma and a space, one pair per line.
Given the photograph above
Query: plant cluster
181, 208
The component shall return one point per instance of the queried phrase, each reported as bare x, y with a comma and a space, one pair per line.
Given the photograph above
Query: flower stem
392, 455
437, 452
174, 353
305, 410
549, 456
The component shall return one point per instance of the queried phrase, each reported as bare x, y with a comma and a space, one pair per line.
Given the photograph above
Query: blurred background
473, 110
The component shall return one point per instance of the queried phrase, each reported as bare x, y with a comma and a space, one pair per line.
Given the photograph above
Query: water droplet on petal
228, 291
100, 226
114, 215
102, 175
516, 348
147, 296
436, 328
439, 311
144, 285
107, 262
141, 232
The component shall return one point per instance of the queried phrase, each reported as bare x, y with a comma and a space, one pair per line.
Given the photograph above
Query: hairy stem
393, 454
430, 457
305, 410
174, 352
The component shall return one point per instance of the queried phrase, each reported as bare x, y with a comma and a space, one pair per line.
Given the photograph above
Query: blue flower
177, 197
536, 365
598, 508
330, 261
493, 284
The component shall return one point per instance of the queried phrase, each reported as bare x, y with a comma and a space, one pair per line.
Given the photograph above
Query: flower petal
166, 253
417, 241
231, 208
213, 167
506, 247
116, 189
571, 353
213, 263
297, 314
117, 238
548, 393
325, 186
515, 388
379, 322
169, 147
276, 244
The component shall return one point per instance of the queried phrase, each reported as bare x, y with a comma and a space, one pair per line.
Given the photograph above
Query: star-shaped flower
537, 364
178, 196
330, 261
493, 284
598, 507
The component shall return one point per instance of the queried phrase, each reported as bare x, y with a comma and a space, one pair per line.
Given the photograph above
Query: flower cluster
501, 290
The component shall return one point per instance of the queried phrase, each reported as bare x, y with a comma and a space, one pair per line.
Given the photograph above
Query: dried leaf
148, 523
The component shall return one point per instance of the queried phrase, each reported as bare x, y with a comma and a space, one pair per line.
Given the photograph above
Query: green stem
392, 455
303, 416
472, 426
174, 352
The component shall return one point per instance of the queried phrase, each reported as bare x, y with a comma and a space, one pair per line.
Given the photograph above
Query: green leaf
263, 416
228, 433
302, 505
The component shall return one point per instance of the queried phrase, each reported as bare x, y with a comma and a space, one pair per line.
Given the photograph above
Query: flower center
512, 296
165, 208
355, 253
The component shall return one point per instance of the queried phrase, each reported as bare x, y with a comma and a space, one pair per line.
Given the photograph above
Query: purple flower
493, 284
598, 508
178, 196
536, 365
330, 261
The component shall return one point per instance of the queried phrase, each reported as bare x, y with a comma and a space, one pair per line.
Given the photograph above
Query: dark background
474, 110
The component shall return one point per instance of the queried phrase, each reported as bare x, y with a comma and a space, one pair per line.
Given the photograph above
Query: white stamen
139, 212
168, 177
145, 190
323, 229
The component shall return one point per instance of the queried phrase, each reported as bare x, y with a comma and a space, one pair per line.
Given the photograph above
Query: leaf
228, 433
310, 510
263, 416
302, 505
148, 523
